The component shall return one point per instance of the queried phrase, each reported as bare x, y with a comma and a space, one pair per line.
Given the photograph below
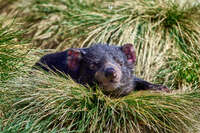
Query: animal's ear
129, 51
74, 56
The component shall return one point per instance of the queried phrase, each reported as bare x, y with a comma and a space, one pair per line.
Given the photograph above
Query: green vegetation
165, 35
11, 44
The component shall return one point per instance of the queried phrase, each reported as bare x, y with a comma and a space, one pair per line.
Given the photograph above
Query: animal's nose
110, 73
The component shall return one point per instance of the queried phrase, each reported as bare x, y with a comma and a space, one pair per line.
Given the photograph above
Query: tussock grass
182, 69
11, 49
164, 33
167, 26
58, 24
55, 104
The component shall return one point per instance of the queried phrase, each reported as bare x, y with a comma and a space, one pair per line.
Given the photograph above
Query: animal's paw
162, 88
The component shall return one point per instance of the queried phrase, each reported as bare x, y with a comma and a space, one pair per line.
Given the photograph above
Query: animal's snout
110, 73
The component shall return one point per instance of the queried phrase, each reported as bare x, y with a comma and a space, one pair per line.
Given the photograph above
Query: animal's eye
118, 61
93, 66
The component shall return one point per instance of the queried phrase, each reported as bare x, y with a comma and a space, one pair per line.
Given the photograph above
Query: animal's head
109, 66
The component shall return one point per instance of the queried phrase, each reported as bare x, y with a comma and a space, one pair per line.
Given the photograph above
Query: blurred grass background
165, 34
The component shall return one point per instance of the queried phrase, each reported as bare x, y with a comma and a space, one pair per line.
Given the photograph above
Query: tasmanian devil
109, 66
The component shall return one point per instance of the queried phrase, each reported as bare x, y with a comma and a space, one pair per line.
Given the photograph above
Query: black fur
97, 59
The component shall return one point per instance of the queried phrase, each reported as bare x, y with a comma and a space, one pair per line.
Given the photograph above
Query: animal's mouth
114, 81
109, 82
109, 79
110, 85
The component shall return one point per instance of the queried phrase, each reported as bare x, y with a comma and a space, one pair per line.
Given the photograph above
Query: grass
57, 104
11, 45
165, 35
60, 24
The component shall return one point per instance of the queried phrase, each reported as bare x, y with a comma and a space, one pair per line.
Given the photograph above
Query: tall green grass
165, 26
11, 47
12, 57
59, 105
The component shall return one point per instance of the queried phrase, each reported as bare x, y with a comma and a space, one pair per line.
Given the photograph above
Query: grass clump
181, 76
58, 104
11, 47
12, 55
165, 26
106, 21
